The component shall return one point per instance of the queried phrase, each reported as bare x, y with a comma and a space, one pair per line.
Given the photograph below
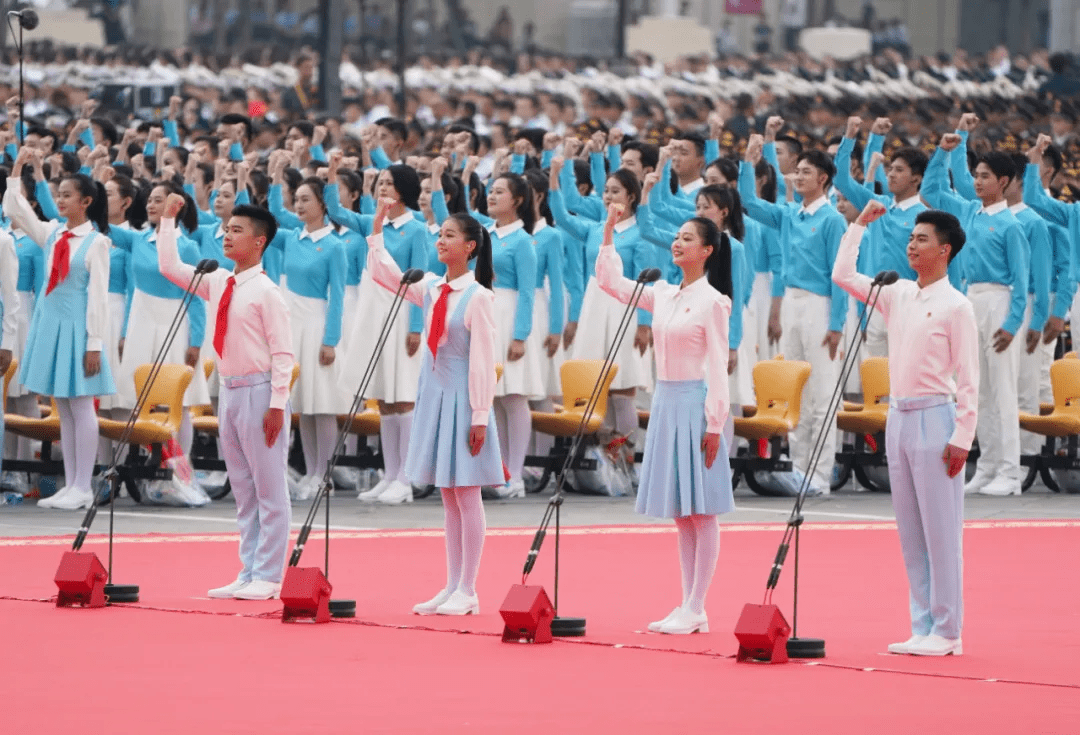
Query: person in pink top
934, 384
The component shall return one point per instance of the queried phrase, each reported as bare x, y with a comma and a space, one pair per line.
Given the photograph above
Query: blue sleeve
525, 268
359, 222
335, 297
273, 261
660, 196
1018, 253
172, 134
278, 243
379, 159
149, 149
212, 198
367, 204
129, 292
614, 157
935, 189
1038, 237
11, 151
653, 229
768, 152
738, 297
517, 163
769, 214
644, 257
963, 181
45, 200
545, 159
590, 207
854, 192
438, 207
556, 302
317, 153
242, 197
1064, 285
123, 239
574, 273
87, 137
834, 231
236, 152
874, 144
67, 148
1050, 209
575, 226
598, 170
418, 258
771, 242
276, 202
481, 218
712, 150
189, 253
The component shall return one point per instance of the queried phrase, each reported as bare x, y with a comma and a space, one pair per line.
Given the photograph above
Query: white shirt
812, 208
479, 320
259, 338
9, 294
693, 186
931, 355
690, 331
999, 206
318, 234
23, 217
907, 203
626, 224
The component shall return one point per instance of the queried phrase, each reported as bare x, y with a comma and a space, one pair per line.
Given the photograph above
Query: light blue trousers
257, 476
929, 509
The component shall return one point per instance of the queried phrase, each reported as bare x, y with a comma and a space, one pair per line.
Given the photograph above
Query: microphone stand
815, 647
130, 593
27, 19
347, 608
561, 626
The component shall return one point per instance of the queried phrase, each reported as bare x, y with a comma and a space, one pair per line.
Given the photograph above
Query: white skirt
349, 317
208, 351
26, 312
524, 376
396, 375
148, 324
117, 302
741, 384
318, 388
549, 366
600, 315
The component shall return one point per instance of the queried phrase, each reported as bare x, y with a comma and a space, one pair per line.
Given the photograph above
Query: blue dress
53, 361
439, 441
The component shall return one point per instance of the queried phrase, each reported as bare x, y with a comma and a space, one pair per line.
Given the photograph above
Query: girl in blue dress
454, 444
68, 330
684, 473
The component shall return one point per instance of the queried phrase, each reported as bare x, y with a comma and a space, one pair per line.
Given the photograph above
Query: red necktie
61, 261
222, 325
438, 321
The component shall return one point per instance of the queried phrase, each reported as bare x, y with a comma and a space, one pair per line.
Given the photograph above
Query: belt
244, 381
987, 287
917, 403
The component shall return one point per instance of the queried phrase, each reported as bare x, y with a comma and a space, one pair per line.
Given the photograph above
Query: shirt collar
220, 232
907, 203
625, 225
814, 206
461, 282
934, 287
1018, 208
318, 234
995, 208
404, 219
541, 224
692, 186
505, 230
245, 276
695, 286
433, 228
83, 229
152, 236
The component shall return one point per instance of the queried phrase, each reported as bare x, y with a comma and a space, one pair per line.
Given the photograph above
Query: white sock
187, 432
86, 431
729, 430
452, 524
68, 439
687, 554
518, 428
309, 443
473, 528
389, 438
625, 415
542, 443
708, 550
500, 425
404, 429
325, 440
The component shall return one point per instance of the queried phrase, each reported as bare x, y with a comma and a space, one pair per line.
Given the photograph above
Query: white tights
514, 422
465, 524
78, 440
699, 547
625, 414
394, 430
15, 446
318, 432
542, 443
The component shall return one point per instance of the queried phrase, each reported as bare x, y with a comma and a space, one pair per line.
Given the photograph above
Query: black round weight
805, 648
343, 608
115, 593
568, 627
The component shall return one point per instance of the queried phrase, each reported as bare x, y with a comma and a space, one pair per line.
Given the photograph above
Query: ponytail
520, 189
718, 264
189, 216
98, 210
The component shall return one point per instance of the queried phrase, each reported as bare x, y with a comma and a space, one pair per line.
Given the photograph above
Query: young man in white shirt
934, 381
253, 343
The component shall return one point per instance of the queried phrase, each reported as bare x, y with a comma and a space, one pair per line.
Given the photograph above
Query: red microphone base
80, 580
305, 594
763, 634
527, 613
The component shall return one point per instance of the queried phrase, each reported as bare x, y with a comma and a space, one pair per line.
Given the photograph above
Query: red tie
61, 261
222, 325
438, 321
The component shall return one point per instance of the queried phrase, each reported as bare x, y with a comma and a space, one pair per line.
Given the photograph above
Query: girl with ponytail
685, 474
454, 444
63, 351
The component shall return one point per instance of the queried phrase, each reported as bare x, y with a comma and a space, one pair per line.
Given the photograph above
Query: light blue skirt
439, 440
674, 481
53, 362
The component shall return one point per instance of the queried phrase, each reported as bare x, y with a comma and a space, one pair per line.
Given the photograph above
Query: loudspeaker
81, 580
527, 614
763, 633
305, 592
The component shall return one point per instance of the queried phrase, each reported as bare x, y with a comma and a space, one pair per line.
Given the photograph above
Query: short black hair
306, 128
649, 152
946, 226
263, 221
1000, 163
108, 130
793, 143
232, 118
396, 127
1057, 162
820, 160
916, 160
694, 138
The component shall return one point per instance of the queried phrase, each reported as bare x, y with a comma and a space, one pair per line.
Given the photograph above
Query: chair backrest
167, 390
12, 367
578, 378
875, 382
1065, 381
778, 387
208, 367
295, 374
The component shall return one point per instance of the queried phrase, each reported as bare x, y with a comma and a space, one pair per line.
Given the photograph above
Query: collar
460, 283
404, 219
541, 224
995, 208
626, 224
692, 186
501, 232
220, 232
1018, 208
814, 206
695, 286
907, 203
934, 287
245, 276
318, 234
152, 235
82, 230
433, 228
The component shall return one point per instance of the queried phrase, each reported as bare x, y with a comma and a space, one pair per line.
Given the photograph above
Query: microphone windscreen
29, 19
649, 275
889, 277
413, 275
209, 265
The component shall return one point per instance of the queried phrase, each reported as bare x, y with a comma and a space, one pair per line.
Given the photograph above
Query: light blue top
1059, 215
119, 266
314, 267
31, 265
550, 253
513, 261
1038, 237
591, 206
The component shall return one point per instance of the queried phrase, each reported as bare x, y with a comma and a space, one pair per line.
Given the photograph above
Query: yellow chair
12, 369
366, 422
1064, 419
207, 423
154, 427
577, 378
778, 386
870, 417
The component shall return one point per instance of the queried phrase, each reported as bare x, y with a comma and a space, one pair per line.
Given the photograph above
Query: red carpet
235, 671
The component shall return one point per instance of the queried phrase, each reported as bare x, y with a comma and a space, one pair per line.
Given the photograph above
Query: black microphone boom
28, 18
885, 278
206, 265
649, 275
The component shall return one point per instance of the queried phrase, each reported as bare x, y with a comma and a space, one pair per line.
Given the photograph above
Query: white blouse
9, 294
479, 320
690, 331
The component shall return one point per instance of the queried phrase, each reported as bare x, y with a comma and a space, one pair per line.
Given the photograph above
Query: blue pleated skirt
53, 361
674, 481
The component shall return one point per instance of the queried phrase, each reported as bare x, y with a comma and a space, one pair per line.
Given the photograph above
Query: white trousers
761, 306
804, 318
998, 425
1033, 384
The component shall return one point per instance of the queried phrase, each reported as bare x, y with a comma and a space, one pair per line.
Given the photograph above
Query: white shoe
906, 646
1001, 487
935, 645
978, 482
15, 482
50, 501
75, 499
373, 494
512, 489
399, 492
429, 607
655, 627
345, 477
258, 589
685, 622
309, 487
459, 603
229, 591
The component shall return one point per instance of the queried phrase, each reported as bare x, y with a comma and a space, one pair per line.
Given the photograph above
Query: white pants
761, 307
1033, 383
804, 318
998, 425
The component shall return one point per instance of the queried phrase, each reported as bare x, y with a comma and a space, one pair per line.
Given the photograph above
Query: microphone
413, 275
206, 265
649, 275
886, 278
28, 18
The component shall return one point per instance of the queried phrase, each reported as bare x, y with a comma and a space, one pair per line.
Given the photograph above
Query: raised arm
168, 251
767, 213
384, 270
1055, 212
573, 225
19, 211
852, 190
609, 269
935, 185
844, 273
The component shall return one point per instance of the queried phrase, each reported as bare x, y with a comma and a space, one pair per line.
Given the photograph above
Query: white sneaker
429, 607
655, 627
935, 645
258, 589
907, 645
346, 478
399, 492
308, 488
15, 482
685, 622
229, 591
75, 499
1001, 487
459, 603
978, 482
370, 496
512, 489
